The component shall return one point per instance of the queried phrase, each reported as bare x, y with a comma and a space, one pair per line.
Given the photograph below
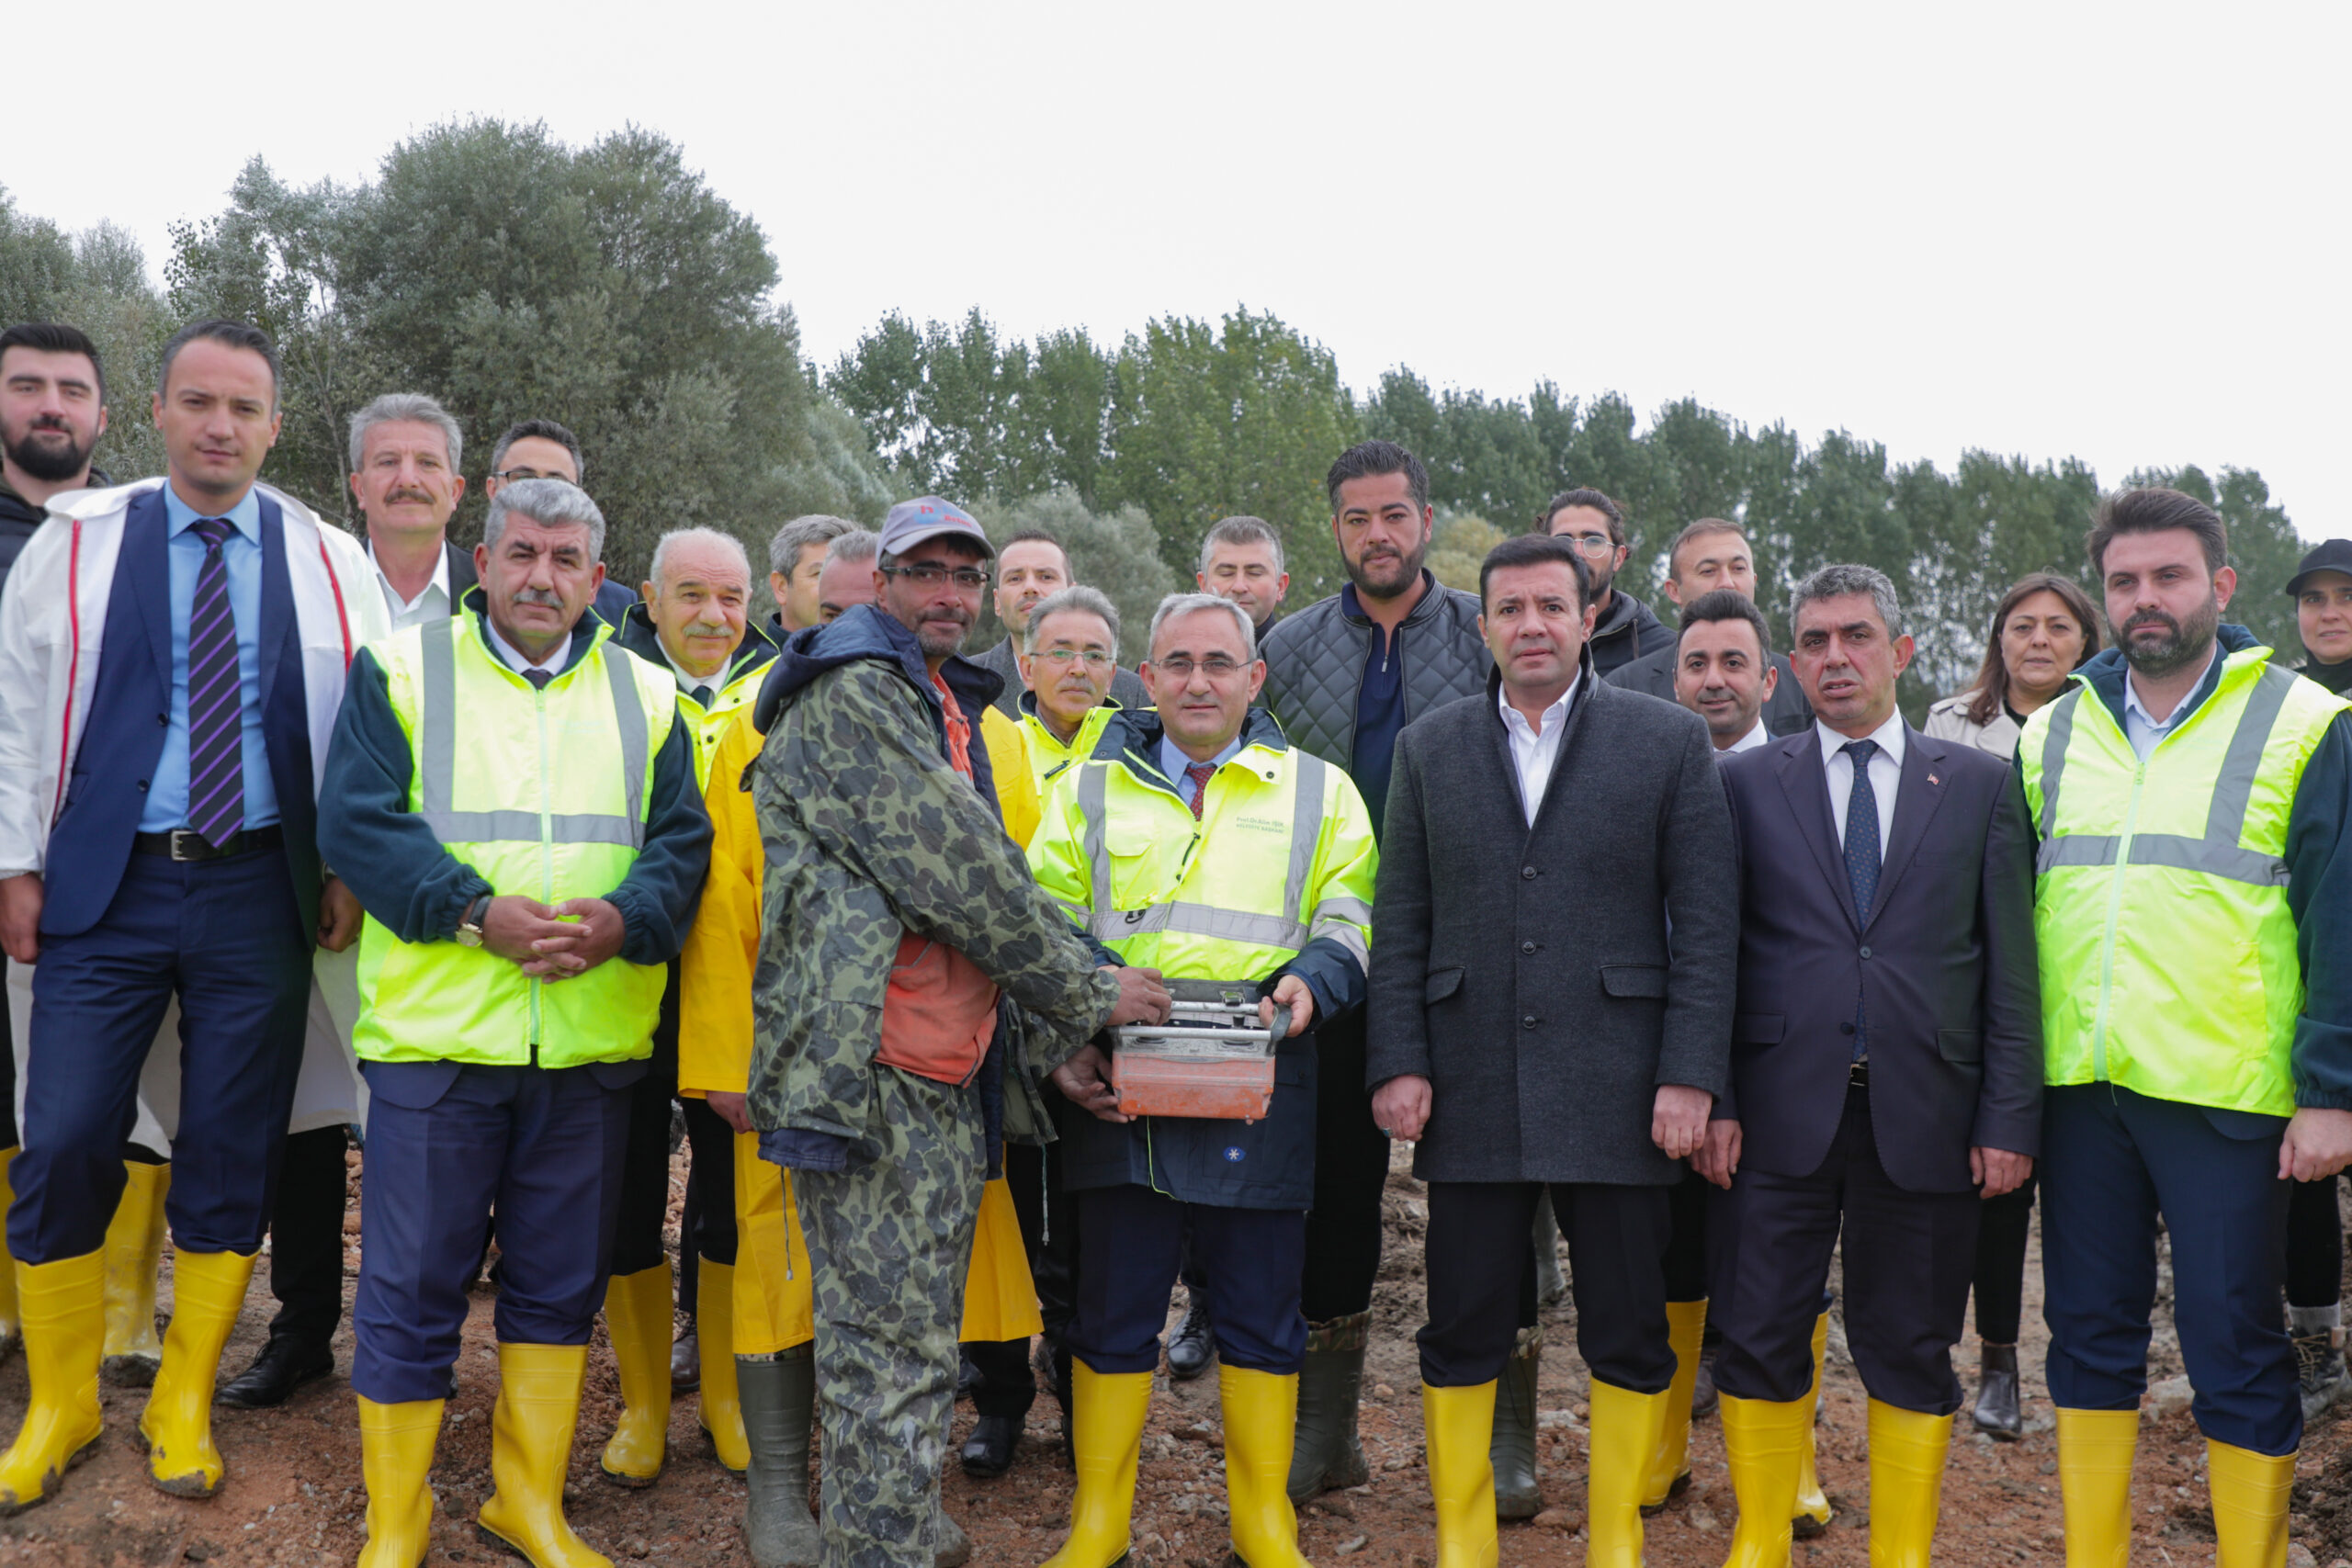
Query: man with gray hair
796, 557
1887, 1066
1241, 559
846, 580
514, 802
405, 479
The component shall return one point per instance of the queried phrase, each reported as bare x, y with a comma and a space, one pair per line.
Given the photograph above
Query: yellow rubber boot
1106, 1412
1670, 1471
1907, 1451
530, 1449
1458, 1426
1626, 1434
1765, 1442
1814, 1511
396, 1456
1261, 1422
134, 1257
2249, 1504
722, 1408
2095, 1478
11, 1322
207, 1292
64, 1317
636, 1313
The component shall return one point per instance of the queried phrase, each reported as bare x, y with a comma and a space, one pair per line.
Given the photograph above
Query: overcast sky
2115, 231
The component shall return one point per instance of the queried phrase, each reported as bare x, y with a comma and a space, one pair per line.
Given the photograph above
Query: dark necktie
702, 696
539, 679
1861, 851
216, 709
1198, 776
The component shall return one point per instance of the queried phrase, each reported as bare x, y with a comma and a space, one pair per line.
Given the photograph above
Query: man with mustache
1343, 676
1030, 565
906, 954
692, 621
2190, 908
513, 800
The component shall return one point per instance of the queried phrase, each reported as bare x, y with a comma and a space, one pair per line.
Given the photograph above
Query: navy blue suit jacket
123, 738
1947, 960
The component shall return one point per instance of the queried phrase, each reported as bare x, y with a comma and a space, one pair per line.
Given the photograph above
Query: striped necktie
216, 709
1198, 776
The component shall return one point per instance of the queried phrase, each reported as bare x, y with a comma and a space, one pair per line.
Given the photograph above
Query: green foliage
1458, 547
1113, 550
97, 281
512, 277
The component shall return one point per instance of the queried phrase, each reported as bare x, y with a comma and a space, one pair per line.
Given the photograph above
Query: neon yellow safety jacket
2168, 951
543, 792
1049, 755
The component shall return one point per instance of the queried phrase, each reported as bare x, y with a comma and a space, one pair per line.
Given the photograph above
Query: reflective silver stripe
1078, 912
1305, 830
438, 748
1347, 936
1200, 920
1339, 908
2053, 756
1093, 805
2234, 790
630, 712
523, 828
2176, 850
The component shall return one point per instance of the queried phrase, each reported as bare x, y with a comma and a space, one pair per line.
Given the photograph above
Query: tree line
608, 286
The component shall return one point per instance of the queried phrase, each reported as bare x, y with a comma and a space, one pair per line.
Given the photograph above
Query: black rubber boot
1328, 1456
1512, 1449
779, 1400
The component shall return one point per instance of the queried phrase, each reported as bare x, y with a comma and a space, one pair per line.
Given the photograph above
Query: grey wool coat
1527, 972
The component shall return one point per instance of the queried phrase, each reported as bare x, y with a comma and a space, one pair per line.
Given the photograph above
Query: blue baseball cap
927, 517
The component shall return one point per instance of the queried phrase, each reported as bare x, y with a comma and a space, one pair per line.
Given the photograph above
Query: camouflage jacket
869, 831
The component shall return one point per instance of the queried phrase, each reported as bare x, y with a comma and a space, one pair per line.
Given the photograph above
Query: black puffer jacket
1314, 666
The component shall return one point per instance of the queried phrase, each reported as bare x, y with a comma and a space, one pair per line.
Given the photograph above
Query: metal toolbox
1211, 1059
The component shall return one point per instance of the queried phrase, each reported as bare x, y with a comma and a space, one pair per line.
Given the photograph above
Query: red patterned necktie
216, 709
1198, 776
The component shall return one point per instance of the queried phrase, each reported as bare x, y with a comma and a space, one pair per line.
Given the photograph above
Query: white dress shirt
432, 602
1752, 739
1886, 773
552, 663
2142, 730
1534, 751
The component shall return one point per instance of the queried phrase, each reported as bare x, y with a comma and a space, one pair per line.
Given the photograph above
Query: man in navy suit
179, 818
1886, 1068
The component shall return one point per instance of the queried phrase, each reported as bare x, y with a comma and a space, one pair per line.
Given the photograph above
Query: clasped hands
552, 943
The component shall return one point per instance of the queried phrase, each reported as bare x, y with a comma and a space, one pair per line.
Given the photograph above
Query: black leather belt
188, 844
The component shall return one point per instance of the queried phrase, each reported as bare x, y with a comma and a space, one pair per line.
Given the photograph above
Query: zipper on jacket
546, 851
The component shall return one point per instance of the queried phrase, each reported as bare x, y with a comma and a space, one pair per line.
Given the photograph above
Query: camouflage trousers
890, 1244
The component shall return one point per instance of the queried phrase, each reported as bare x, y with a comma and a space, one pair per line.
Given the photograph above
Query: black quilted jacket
1314, 666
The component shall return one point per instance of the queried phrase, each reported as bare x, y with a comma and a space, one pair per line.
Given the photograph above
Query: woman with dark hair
2044, 629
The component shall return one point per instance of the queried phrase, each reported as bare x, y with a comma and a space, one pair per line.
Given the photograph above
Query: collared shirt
1886, 773
703, 689
1175, 760
432, 602
1752, 739
2140, 728
1534, 752
166, 803
553, 663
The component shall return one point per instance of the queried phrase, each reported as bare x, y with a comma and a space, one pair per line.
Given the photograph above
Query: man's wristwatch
469, 929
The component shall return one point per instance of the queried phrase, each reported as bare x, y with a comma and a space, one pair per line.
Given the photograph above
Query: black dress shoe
284, 1365
989, 1450
1191, 1350
1998, 1414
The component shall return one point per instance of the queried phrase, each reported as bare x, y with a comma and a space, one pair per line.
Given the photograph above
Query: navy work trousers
227, 938
1131, 1242
2112, 1162
447, 1142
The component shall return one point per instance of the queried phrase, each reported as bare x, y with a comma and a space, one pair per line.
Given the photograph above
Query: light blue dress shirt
1173, 761
2142, 730
167, 807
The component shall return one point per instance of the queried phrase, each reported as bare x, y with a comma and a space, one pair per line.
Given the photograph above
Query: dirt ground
293, 1494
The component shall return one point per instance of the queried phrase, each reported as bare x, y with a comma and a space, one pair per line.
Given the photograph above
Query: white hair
406, 408
551, 504
1177, 605
712, 537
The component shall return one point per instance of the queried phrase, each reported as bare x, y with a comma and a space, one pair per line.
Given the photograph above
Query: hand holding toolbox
1211, 1059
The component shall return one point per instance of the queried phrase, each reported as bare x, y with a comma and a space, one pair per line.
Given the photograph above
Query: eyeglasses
1094, 658
505, 475
1594, 545
1216, 668
930, 574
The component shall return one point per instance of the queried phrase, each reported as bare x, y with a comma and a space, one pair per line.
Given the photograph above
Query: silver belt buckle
180, 836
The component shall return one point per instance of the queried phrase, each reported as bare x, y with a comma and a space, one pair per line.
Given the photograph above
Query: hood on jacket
640, 636
865, 631
1627, 617
1132, 739
2105, 672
